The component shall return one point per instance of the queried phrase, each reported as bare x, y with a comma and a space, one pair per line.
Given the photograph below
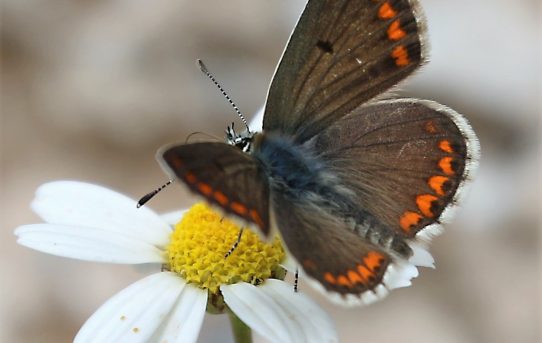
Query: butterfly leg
296, 280
234, 246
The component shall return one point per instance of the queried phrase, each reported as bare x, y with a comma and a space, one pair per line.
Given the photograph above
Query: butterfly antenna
202, 133
204, 69
144, 199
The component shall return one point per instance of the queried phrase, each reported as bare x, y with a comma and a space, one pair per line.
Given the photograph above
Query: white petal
314, 322
256, 123
421, 257
87, 244
173, 217
184, 323
261, 313
135, 313
399, 274
86, 205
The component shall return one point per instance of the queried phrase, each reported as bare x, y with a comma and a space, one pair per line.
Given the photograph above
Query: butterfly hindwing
341, 54
345, 266
405, 162
225, 176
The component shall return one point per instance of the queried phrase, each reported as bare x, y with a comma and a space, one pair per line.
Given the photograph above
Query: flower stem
241, 332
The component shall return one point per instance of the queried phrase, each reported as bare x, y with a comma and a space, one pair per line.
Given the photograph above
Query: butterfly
354, 181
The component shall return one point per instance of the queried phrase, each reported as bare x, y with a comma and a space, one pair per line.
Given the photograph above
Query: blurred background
90, 90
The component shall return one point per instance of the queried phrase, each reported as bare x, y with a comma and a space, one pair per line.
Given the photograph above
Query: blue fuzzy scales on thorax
291, 165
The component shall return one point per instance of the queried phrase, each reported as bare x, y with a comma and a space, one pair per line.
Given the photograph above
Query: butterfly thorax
287, 164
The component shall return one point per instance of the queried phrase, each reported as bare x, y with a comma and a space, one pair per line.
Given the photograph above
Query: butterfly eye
241, 140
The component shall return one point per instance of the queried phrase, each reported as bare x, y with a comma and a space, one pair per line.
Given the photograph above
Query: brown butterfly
352, 183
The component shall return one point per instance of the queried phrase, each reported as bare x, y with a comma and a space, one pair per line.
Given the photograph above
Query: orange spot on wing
437, 183
190, 177
221, 198
373, 260
386, 11
205, 189
343, 281
395, 32
354, 277
256, 218
330, 278
425, 202
364, 272
445, 165
408, 220
445, 146
238, 208
400, 54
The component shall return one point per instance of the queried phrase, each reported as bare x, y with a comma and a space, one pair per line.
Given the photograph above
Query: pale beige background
90, 89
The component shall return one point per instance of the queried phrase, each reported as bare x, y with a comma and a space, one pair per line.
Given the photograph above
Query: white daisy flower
92, 223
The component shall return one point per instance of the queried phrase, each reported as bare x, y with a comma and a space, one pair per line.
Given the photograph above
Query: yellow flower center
200, 242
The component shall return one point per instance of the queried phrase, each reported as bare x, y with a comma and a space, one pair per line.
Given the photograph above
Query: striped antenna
204, 69
144, 199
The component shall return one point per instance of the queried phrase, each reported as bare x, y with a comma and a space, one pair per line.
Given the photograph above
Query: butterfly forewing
341, 54
224, 176
405, 161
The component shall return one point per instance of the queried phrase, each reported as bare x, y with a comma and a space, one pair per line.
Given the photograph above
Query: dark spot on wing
325, 46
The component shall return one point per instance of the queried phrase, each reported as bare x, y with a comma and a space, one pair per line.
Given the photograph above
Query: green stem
241, 332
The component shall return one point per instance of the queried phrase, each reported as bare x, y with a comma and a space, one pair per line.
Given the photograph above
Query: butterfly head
241, 140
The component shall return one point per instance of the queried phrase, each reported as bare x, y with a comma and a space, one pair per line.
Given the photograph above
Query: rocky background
90, 90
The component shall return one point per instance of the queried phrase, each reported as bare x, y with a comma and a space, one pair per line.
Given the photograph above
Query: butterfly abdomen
369, 227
